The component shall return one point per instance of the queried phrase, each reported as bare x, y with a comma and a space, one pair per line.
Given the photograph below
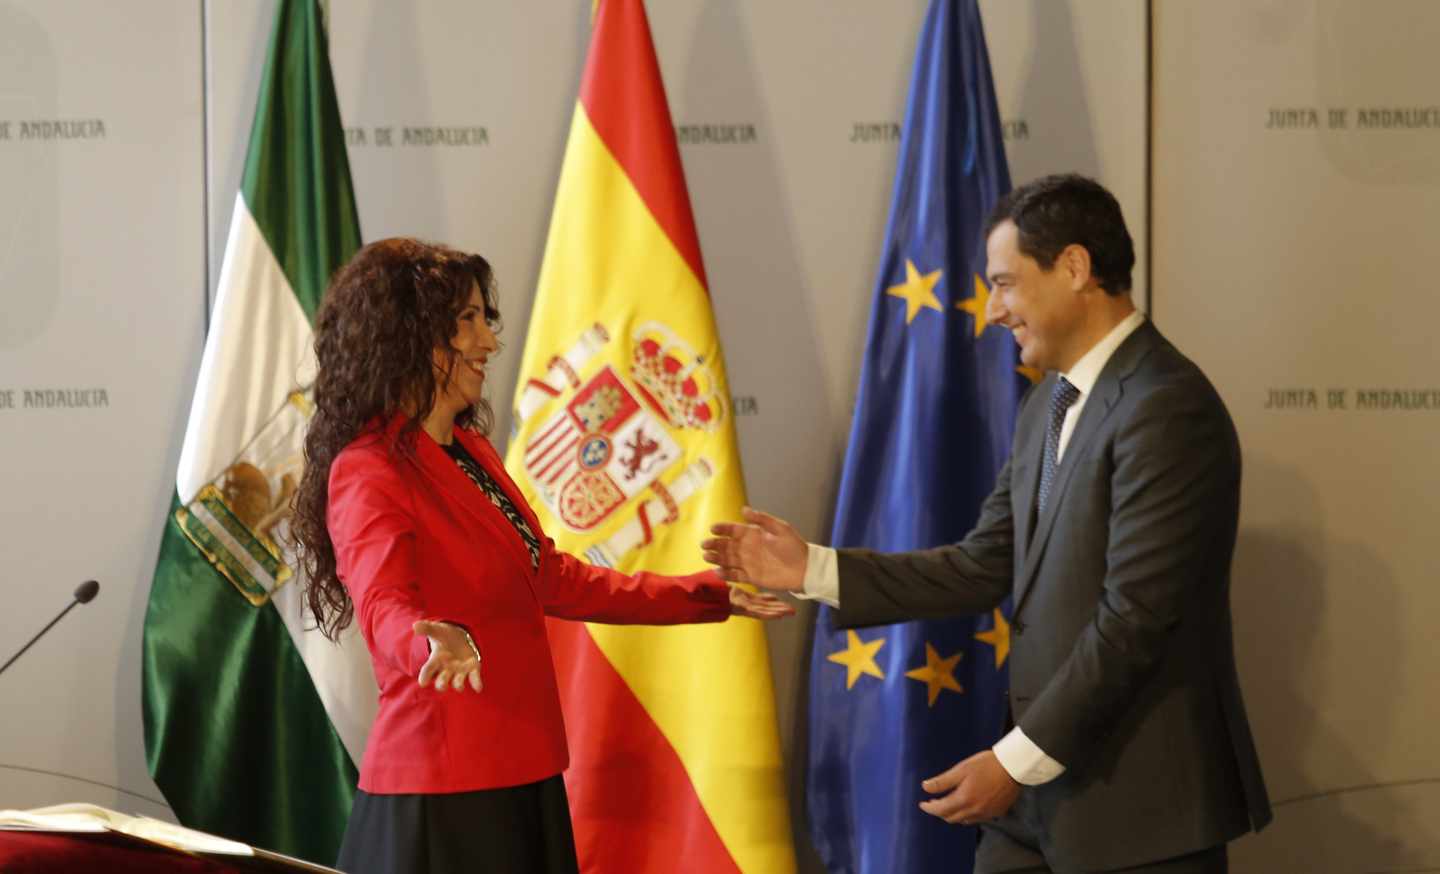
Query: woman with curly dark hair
406, 520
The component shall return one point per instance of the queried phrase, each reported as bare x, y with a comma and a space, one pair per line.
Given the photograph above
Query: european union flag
893, 705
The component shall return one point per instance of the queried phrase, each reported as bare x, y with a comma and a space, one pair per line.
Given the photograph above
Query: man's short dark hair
1056, 211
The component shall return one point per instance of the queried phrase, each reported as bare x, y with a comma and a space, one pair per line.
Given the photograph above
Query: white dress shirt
1018, 755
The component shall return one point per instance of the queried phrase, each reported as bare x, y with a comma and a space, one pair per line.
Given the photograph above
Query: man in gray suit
1112, 527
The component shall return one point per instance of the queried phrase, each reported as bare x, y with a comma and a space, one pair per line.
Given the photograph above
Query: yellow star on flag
938, 673
1034, 374
998, 637
975, 306
858, 657
917, 291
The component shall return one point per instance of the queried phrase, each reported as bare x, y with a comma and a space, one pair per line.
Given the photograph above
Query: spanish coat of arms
614, 438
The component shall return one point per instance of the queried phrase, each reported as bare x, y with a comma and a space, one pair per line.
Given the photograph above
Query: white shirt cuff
1026, 763
822, 576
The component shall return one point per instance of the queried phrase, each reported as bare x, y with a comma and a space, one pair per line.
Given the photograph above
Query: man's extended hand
766, 552
979, 789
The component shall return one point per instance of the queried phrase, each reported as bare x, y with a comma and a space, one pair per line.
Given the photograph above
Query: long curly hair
383, 318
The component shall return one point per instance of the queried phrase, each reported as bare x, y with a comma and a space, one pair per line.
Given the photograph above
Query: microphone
84, 594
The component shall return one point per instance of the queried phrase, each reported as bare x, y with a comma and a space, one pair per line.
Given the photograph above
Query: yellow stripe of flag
707, 688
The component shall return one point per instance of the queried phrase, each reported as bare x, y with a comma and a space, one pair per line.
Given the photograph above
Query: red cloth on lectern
51, 853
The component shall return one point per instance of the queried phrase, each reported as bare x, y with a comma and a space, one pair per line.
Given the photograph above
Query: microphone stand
83, 595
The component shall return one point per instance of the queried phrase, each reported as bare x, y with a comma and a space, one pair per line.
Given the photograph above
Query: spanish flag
624, 443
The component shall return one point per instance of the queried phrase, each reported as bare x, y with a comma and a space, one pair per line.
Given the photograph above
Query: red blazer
416, 539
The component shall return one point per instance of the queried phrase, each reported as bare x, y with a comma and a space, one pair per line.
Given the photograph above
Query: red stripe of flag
656, 823
624, 97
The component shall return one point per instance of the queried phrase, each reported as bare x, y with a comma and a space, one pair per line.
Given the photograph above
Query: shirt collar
1087, 370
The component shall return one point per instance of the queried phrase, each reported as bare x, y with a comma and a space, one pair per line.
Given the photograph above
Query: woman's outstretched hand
757, 605
454, 659
764, 551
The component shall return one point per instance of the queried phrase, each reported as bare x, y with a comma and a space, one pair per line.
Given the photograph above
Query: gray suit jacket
1121, 663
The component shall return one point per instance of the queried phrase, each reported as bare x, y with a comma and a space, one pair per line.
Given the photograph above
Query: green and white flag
254, 722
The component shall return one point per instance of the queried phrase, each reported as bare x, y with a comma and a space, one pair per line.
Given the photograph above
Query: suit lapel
1106, 393
483, 452
455, 486
1029, 454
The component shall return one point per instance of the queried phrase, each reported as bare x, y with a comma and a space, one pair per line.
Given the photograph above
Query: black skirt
490, 831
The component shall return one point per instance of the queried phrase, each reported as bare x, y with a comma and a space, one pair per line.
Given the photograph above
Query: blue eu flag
892, 705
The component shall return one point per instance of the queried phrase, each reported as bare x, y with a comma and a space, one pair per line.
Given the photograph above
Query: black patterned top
482, 478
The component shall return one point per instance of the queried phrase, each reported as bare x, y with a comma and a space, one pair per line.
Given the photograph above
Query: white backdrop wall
788, 115
102, 308
1297, 168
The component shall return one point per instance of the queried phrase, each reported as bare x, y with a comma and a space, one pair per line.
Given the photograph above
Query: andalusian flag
252, 722
625, 446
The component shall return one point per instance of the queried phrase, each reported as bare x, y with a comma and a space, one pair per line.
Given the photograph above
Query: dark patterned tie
1062, 396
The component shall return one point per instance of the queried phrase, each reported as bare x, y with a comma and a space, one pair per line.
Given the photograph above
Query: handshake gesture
763, 551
